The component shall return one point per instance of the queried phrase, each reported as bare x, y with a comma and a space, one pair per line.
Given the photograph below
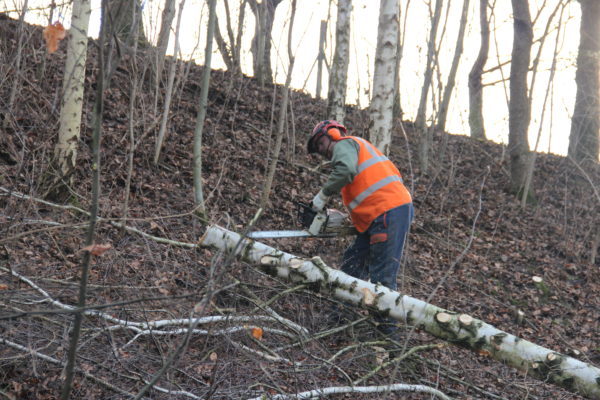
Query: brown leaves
53, 34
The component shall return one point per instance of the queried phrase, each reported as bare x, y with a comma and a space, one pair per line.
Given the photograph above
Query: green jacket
344, 162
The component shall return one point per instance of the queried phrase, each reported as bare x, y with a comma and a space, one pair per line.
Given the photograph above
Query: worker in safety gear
380, 206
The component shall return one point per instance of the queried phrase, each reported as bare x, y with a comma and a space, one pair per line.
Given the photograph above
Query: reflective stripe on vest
371, 189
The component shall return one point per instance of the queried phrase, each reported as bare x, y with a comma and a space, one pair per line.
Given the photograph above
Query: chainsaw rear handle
306, 214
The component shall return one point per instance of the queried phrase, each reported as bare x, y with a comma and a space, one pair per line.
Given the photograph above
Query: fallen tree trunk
460, 329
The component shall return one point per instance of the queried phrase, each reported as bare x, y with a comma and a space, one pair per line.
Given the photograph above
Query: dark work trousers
376, 253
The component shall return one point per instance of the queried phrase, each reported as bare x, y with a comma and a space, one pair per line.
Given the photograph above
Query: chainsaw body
329, 223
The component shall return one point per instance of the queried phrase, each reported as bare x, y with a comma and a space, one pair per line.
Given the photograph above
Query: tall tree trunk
231, 51
583, 139
399, 50
164, 34
441, 121
125, 16
519, 106
381, 111
476, 123
426, 134
461, 329
169, 92
264, 14
321, 57
197, 163
65, 151
282, 116
338, 75
435, 22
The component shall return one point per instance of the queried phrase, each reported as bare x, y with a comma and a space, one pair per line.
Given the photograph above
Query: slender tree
197, 162
338, 74
264, 14
431, 53
65, 150
441, 120
169, 91
583, 139
519, 105
282, 116
91, 230
381, 111
476, 123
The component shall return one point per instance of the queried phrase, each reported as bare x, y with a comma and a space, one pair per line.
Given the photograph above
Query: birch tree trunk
460, 329
519, 106
441, 120
197, 162
382, 103
476, 123
65, 151
585, 124
338, 75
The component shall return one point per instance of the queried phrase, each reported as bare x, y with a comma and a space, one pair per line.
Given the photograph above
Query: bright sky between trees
559, 106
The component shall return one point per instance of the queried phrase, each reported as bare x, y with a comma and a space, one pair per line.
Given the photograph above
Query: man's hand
318, 203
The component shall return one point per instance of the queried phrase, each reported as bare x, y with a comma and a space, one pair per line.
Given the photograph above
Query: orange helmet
323, 128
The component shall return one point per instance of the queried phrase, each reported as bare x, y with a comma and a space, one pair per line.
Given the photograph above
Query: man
380, 206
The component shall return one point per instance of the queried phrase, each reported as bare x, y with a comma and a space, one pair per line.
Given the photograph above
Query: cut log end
443, 317
465, 319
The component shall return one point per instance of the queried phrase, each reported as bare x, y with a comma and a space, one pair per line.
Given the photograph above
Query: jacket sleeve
344, 162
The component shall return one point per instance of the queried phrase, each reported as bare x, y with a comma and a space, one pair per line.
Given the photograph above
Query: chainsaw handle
305, 214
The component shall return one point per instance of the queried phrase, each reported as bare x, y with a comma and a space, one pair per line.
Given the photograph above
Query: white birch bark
72, 101
338, 76
382, 102
459, 329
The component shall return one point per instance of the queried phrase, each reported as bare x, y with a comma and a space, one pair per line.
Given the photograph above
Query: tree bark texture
476, 123
65, 150
459, 329
381, 111
162, 43
519, 106
338, 75
585, 124
441, 120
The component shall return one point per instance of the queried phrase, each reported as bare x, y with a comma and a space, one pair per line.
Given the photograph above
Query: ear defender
334, 134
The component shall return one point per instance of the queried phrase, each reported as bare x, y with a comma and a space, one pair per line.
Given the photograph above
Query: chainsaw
329, 223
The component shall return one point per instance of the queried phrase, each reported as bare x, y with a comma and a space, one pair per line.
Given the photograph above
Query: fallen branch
358, 389
459, 329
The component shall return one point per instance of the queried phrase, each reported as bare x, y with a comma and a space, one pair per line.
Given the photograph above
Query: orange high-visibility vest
376, 188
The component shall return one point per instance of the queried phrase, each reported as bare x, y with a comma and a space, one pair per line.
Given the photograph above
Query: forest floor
473, 248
